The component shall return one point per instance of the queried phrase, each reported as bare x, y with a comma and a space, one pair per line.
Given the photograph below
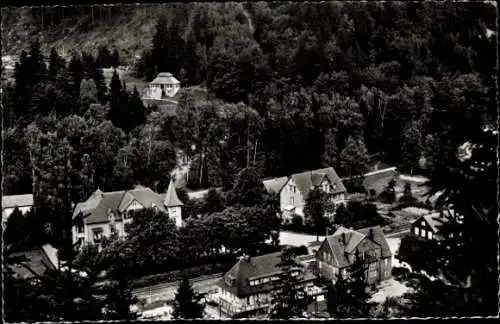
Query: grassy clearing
379, 182
130, 80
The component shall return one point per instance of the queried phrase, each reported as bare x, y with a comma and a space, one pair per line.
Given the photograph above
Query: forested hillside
292, 87
77, 29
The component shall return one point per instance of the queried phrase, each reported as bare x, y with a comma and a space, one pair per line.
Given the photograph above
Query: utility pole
248, 142
255, 151
201, 164
149, 145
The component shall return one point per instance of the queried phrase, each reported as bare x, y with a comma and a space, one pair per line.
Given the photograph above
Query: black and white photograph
249, 160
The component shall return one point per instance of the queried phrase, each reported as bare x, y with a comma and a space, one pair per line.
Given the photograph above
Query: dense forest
290, 87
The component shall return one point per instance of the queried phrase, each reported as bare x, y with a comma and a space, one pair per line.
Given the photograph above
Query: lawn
130, 80
378, 182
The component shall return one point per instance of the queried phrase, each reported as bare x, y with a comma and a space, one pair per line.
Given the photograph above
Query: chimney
344, 239
370, 233
245, 258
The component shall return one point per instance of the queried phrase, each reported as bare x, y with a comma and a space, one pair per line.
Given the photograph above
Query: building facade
164, 86
108, 213
294, 192
246, 290
339, 251
427, 227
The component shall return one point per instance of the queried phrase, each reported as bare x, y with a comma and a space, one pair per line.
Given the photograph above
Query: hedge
177, 274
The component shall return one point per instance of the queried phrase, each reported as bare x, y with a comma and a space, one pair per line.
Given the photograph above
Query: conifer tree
349, 296
104, 57
56, 64
76, 71
115, 111
98, 76
137, 109
115, 59
37, 66
23, 87
187, 302
290, 299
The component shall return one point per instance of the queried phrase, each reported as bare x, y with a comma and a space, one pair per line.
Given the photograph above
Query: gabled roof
165, 78
435, 221
36, 260
345, 241
171, 199
275, 185
96, 208
144, 196
306, 180
252, 268
17, 200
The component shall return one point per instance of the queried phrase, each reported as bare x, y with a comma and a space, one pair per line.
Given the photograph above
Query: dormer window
230, 280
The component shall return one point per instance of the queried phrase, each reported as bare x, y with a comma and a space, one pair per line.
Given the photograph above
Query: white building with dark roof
162, 93
339, 251
105, 213
164, 86
294, 192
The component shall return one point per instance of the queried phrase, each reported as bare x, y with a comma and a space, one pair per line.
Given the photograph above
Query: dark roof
253, 268
97, 206
306, 180
165, 78
342, 249
435, 221
17, 200
275, 185
171, 199
35, 260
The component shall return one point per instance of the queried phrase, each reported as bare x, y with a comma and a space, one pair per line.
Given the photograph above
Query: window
324, 256
127, 227
230, 280
97, 234
372, 270
292, 201
79, 228
275, 278
113, 229
422, 233
422, 223
265, 280
253, 283
415, 230
429, 235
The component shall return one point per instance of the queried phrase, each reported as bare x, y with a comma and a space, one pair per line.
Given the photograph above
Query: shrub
400, 273
297, 220
418, 253
177, 274
300, 250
